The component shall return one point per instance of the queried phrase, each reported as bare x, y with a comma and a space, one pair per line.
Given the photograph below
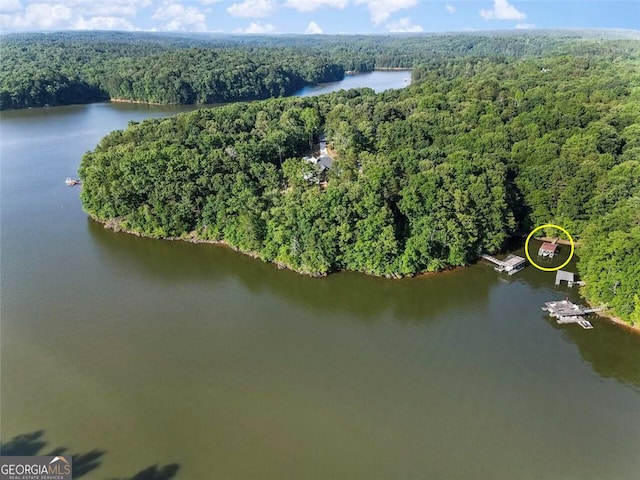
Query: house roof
325, 161
549, 247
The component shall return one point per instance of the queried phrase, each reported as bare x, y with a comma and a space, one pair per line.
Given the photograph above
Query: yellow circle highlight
548, 269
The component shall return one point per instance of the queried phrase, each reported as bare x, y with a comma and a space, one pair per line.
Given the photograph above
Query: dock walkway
512, 264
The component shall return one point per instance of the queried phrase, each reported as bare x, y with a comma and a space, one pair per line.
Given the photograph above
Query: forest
40, 69
66, 68
477, 150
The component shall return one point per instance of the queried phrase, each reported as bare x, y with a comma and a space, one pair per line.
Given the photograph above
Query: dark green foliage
60, 69
475, 151
78, 67
610, 257
611, 263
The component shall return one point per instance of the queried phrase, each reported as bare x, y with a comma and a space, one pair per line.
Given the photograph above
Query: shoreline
392, 69
610, 317
204, 105
141, 102
377, 69
115, 225
607, 315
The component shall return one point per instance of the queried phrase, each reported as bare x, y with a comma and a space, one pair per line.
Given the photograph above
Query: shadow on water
156, 473
33, 444
358, 295
27, 444
611, 351
30, 444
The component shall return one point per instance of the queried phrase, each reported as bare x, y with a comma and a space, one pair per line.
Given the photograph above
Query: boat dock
569, 277
512, 264
586, 324
565, 312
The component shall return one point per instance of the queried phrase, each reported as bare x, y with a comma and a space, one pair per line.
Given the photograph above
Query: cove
158, 352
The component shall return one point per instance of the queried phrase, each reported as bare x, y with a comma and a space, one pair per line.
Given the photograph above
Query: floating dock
575, 319
512, 264
565, 312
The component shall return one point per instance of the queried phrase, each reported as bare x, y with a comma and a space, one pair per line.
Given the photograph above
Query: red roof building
548, 249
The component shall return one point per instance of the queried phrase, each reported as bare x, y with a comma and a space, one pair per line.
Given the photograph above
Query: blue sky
315, 16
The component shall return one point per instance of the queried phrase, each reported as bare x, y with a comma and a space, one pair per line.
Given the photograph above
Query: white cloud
525, 26
9, 6
403, 25
381, 10
104, 23
111, 8
38, 16
257, 27
107, 9
209, 2
313, 29
450, 8
310, 5
180, 18
252, 8
64, 14
502, 10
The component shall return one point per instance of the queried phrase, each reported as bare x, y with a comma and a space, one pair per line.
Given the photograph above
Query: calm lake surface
158, 352
378, 81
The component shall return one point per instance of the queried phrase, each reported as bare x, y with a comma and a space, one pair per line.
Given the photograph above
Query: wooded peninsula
495, 135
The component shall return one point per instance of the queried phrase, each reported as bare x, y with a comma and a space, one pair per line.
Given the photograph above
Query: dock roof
513, 261
549, 247
562, 275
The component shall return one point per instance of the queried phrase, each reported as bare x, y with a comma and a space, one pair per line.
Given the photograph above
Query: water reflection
281, 375
611, 351
358, 295
378, 81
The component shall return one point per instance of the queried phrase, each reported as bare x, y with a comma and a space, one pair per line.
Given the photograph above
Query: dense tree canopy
60, 69
476, 150
80, 67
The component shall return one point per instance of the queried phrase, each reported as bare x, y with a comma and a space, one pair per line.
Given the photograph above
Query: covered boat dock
512, 264
565, 311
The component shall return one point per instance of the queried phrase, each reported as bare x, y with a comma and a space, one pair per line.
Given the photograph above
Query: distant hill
61, 68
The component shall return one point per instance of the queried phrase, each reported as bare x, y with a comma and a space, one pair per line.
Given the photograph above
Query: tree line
36, 73
81, 67
476, 150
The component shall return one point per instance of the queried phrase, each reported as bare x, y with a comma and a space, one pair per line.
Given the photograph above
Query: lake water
378, 81
157, 352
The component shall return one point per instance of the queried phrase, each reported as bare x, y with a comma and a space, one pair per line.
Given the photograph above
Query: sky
315, 16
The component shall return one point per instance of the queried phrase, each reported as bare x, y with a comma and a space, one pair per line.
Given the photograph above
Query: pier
512, 264
565, 312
